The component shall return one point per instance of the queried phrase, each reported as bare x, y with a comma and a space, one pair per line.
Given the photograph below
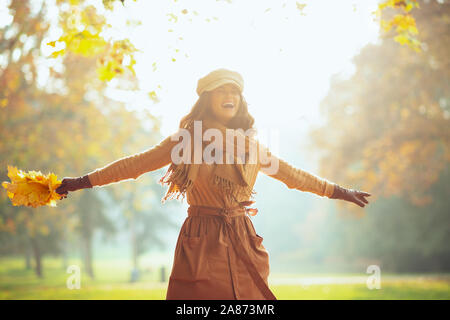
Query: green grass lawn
112, 282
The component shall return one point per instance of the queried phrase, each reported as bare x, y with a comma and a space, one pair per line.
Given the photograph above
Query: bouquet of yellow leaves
32, 188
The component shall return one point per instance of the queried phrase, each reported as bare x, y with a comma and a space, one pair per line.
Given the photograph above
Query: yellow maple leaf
32, 188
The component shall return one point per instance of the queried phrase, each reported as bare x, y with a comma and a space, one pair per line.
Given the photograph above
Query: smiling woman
218, 254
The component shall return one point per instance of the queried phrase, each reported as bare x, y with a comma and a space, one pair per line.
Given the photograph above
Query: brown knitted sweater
204, 192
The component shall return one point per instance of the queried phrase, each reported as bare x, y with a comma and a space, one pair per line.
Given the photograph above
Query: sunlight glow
286, 58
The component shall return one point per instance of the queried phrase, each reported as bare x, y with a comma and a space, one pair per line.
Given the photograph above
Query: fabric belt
227, 214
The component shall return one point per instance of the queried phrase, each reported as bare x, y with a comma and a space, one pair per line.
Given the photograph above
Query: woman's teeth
228, 105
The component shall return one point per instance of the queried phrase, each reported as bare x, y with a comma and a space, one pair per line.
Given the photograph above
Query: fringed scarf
230, 178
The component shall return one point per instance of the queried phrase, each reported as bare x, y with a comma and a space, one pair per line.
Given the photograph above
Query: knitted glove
350, 195
73, 184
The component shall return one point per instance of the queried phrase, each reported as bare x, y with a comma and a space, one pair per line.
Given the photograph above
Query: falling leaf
172, 17
152, 95
300, 7
57, 53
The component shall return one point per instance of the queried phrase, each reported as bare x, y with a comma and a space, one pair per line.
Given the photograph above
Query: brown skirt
219, 256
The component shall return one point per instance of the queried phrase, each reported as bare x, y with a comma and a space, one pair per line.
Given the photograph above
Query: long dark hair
201, 110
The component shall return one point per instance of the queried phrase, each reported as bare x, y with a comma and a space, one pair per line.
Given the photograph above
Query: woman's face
225, 102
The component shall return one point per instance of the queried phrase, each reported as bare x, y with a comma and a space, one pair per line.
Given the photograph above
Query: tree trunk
87, 240
64, 254
37, 256
27, 258
133, 242
134, 249
87, 235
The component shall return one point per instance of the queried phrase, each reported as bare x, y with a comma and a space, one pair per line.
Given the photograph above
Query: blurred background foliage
388, 132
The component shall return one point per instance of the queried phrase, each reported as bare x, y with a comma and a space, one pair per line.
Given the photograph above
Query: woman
218, 254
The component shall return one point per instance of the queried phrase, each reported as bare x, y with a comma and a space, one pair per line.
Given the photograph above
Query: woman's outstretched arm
124, 168
295, 178
131, 167
302, 180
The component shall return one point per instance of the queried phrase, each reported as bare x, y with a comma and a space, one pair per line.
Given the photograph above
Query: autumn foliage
32, 188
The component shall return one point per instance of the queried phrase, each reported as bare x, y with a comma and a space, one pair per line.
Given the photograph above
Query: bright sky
285, 58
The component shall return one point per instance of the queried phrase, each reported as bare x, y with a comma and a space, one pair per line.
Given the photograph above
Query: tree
60, 126
387, 129
403, 23
387, 133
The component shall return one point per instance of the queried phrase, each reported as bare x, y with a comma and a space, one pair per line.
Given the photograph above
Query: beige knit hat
219, 77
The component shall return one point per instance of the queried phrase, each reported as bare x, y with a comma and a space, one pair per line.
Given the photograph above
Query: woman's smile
229, 105
225, 101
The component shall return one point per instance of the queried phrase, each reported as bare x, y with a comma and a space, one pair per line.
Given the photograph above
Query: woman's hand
73, 184
351, 195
